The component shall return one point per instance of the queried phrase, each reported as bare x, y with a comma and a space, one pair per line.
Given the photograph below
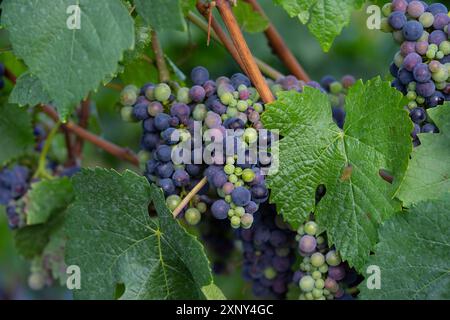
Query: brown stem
189, 197
164, 74
71, 158
279, 47
264, 67
386, 176
244, 52
9, 75
83, 123
114, 86
107, 146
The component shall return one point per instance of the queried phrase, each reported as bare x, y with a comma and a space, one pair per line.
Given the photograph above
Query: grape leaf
325, 18
15, 131
414, 254
162, 14
69, 63
112, 238
249, 19
428, 174
315, 151
47, 197
29, 91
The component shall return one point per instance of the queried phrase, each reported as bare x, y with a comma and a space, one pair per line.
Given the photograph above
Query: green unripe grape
412, 105
316, 275
333, 259
270, 273
240, 211
178, 166
249, 102
306, 259
250, 135
276, 88
441, 75
258, 107
173, 201
221, 193
242, 105
200, 112
311, 228
236, 95
144, 156
309, 296
232, 112
420, 100
235, 222
320, 240
445, 47
192, 216
326, 292
228, 198
248, 175
202, 207
441, 85
229, 169
301, 230
336, 87
412, 86
426, 19
308, 267
323, 268
183, 95
226, 98
239, 183
162, 92
385, 26
127, 114
411, 95
36, 281
330, 297
231, 213
320, 283
233, 104
247, 221
242, 87
230, 160
439, 55
433, 47
224, 117
317, 293
397, 35
398, 59
302, 266
387, 9
307, 284
301, 297
233, 178
317, 259
431, 54
238, 171
129, 95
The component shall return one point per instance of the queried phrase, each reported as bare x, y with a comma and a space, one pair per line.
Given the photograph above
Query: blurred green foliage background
358, 51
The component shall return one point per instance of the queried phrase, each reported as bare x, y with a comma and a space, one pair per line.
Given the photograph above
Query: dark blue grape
238, 78
326, 81
429, 128
278, 238
220, 209
421, 73
219, 179
415, 131
397, 20
418, 115
150, 141
436, 8
165, 170
151, 166
281, 264
180, 178
241, 196
162, 121
437, 37
234, 123
436, 99
406, 76
426, 89
251, 207
412, 30
164, 153
399, 86
169, 136
167, 185
149, 125
199, 75
393, 69
140, 111
259, 193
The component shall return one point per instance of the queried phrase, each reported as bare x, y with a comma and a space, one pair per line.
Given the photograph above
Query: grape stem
189, 197
244, 52
119, 152
83, 114
279, 47
41, 171
164, 74
219, 36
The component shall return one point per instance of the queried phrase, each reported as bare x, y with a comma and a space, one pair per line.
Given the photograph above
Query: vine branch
83, 123
244, 52
279, 47
164, 74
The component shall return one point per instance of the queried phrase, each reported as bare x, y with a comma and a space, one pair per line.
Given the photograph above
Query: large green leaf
29, 91
414, 254
48, 197
249, 19
15, 131
162, 14
428, 174
325, 18
314, 151
69, 63
115, 241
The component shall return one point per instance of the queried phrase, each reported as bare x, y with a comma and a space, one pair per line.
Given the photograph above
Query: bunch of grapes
2, 74
169, 116
422, 66
269, 253
322, 273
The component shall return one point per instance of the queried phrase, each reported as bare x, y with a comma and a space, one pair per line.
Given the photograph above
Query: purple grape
289, 83
162, 121
436, 8
405, 76
150, 141
441, 20
418, 115
399, 5
238, 78
336, 273
165, 170
251, 207
415, 9
197, 93
220, 209
411, 60
397, 20
180, 178
259, 193
407, 47
426, 89
437, 37
429, 128
422, 47
181, 111
140, 111
164, 153
307, 244
412, 30
167, 186
199, 75
421, 73
210, 88
219, 179
241, 196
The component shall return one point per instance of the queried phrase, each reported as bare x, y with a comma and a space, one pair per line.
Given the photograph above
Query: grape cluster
422, 66
269, 253
2, 74
322, 273
169, 113
14, 183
